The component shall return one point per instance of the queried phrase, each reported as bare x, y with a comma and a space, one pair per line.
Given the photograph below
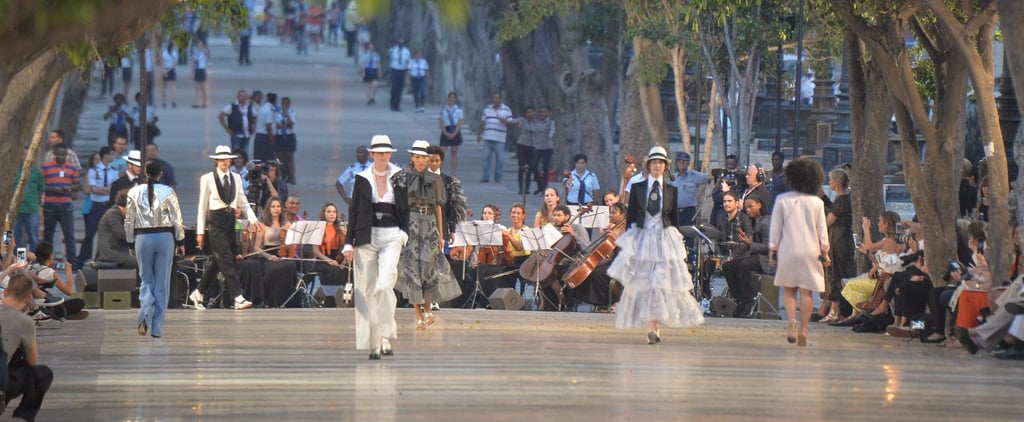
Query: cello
542, 267
601, 249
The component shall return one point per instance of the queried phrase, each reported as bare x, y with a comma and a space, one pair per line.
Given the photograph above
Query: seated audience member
26, 377
54, 292
111, 244
909, 292
938, 303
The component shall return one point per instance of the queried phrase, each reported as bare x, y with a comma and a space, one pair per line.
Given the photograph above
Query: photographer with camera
725, 180
264, 183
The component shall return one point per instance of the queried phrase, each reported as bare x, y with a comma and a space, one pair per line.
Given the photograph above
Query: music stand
538, 240
304, 233
595, 219
476, 234
703, 289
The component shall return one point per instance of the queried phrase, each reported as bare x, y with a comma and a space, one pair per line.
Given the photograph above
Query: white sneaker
197, 299
241, 303
435, 306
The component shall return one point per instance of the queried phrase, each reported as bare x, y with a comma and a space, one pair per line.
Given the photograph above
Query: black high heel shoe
375, 354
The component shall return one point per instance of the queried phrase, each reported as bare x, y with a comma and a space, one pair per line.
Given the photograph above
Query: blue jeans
240, 142
26, 230
155, 254
419, 90
63, 213
496, 148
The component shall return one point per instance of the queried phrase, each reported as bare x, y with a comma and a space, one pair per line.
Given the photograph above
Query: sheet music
478, 232
539, 239
597, 218
305, 233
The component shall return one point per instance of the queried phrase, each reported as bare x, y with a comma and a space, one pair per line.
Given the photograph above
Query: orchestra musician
739, 271
551, 200
268, 279
327, 265
514, 241
732, 222
560, 217
598, 288
491, 260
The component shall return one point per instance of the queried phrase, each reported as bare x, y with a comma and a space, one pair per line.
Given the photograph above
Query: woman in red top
334, 238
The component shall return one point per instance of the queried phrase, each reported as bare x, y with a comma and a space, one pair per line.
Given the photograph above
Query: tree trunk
650, 100
870, 111
581, 97
19, 105
26, 166
75, 87
633, 135
1013, 48
465, 61
678, 55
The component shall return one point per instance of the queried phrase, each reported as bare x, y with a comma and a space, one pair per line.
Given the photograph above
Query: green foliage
454, 13
652, 65
231, 15
525, 15
598, 23
924, 74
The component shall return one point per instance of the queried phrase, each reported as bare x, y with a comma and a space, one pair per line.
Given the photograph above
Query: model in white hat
378, 220
424, 275
651, 264
220, 194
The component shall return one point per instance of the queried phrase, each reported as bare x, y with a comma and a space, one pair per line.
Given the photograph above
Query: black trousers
739, 276
243, 48
220, 233
31, 382
397, 88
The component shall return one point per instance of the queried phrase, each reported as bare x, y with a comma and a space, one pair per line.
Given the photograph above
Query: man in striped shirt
61, 178
493, 128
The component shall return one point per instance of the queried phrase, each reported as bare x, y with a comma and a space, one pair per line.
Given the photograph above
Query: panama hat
419, 148
134, 157
222, 152
381, 143
658, 153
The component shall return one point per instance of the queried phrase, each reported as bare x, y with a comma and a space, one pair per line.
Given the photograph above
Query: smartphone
7, 237
22, 256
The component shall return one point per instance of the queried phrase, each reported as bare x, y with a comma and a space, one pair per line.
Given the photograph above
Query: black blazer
360, 211
636, 213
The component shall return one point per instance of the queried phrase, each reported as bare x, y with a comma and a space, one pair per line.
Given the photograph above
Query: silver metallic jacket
164, 213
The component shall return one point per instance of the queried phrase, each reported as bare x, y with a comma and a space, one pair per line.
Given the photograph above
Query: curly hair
804, 175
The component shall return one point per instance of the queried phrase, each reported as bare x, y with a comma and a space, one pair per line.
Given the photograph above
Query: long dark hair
153, 170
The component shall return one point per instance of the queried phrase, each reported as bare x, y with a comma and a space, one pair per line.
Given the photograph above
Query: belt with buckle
423, 210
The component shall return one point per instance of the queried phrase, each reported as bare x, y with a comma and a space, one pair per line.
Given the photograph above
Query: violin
626, 175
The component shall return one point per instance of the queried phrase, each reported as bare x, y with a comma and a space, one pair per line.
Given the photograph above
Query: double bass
542, 267
600, 250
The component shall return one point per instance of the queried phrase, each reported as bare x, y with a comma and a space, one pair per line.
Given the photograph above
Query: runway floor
299, 364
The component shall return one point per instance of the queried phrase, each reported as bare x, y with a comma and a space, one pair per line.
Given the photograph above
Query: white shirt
170, 59
589, 185
137, 114
281, 120
200, 59
400, 58
96, 179
654, 221
389, 196
418, 68
348, 177
451, 116
266, 116
209, 199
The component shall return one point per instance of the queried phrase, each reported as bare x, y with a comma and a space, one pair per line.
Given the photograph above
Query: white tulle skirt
651, 265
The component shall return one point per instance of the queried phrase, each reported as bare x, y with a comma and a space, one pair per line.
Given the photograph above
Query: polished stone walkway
300, 364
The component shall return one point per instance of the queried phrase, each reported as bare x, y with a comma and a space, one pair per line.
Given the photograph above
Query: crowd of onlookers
898, 297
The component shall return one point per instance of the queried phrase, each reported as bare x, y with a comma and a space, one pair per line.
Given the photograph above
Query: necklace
380, 174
